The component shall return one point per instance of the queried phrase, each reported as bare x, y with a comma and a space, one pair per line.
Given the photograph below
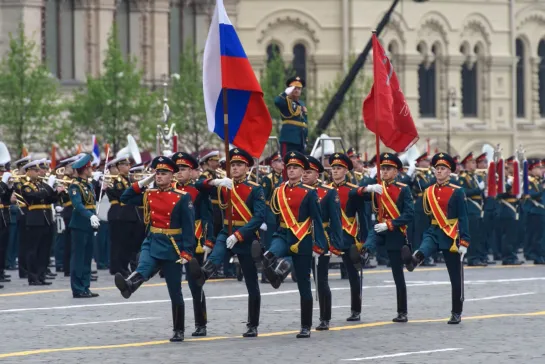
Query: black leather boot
254, 309
355, 305
178, 322
401, 317
199, 309
282, 270
411, 261
306, 319
455, 319
325, 311
128, 286
201, 274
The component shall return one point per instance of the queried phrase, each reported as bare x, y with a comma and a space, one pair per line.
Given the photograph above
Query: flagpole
377, 139
227, 159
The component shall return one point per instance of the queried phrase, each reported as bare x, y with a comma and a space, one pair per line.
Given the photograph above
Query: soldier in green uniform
391, 230
83, 224
446, 209
170, 242
473, 186
535, 219
6, 190
368, 216
489, 210
294, 132
21, 217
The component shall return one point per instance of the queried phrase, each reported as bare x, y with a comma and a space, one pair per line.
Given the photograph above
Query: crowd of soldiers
290, 213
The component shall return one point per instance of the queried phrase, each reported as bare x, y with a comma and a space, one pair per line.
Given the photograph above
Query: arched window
519, 45
541, 73
58, 38
123, 22
427, 85
273, 50
181, 31
469, 84
300, 60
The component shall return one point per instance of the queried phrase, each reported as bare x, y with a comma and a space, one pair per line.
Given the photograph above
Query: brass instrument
57, 180
135, 177
109, 178
164, 138
60, 171
15, 178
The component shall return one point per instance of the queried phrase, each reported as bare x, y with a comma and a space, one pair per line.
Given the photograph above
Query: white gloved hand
5, 177
374, 188
182, 261
289, 90
59, 208
411, 170
315, 255
462, 250
231, 241
146, 181
97, 175
380, 227
51, 181
207, 249
223, 182
510, 180
95, 222
481, 185
372, 172
263, 227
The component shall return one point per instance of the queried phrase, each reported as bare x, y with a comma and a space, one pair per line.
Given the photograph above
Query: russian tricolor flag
227, 69
96, 152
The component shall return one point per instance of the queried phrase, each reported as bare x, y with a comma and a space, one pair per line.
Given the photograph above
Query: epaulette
269, 176
119, 179
309, 186
326, 186
180, 191
252, 182
453, 185
400, 184
531, 178
351, 185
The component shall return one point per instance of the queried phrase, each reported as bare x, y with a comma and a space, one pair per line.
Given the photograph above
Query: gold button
289, 198
168, 213
153, 212
438, 198
174, 203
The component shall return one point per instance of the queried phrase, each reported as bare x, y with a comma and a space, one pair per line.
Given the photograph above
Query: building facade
474, 67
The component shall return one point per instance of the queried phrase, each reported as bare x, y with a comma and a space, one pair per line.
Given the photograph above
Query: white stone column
157, 53
103, 19
12, 13
410, 83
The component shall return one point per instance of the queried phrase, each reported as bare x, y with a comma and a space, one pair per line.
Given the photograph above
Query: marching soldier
83, 224
300, 234
507, 223
38, 232
535, 223
391, 230
170, 217
294, 132
473, 186
351, 198
489, 210
203, 231
140, 226
422, 180
248, 214
445, 204
331, 219
21, 216
6, 190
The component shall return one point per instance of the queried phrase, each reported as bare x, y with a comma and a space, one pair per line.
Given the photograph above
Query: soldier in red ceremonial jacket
248, 214
445, 204
169, 214
397, 207
300, 234
331, 217
352, 203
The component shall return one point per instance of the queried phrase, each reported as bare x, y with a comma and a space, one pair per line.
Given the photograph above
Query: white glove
315, 255
373, 172
263, 227
95, 222
289, 90
481, 185
146, 181
59, 208
381, 227
207, 249
462, 250
231, 241
374, 188
510, 180
97, 175
411, 170
182, 261
51, 181
5, 177
223, 182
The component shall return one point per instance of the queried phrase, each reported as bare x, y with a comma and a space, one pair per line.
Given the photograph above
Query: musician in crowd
294, 131
204, 230
331, 218
489, 240
300, 235
140, 234
269, 183
508, 215
354, 224
391, 229
446, 209
37, 234
21, 217
473, 186
170, 217
422, 180
83, 224
6, 191
535, 219
248, 214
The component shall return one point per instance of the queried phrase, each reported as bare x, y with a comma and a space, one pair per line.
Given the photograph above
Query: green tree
187, 102
30, 102
116, 104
